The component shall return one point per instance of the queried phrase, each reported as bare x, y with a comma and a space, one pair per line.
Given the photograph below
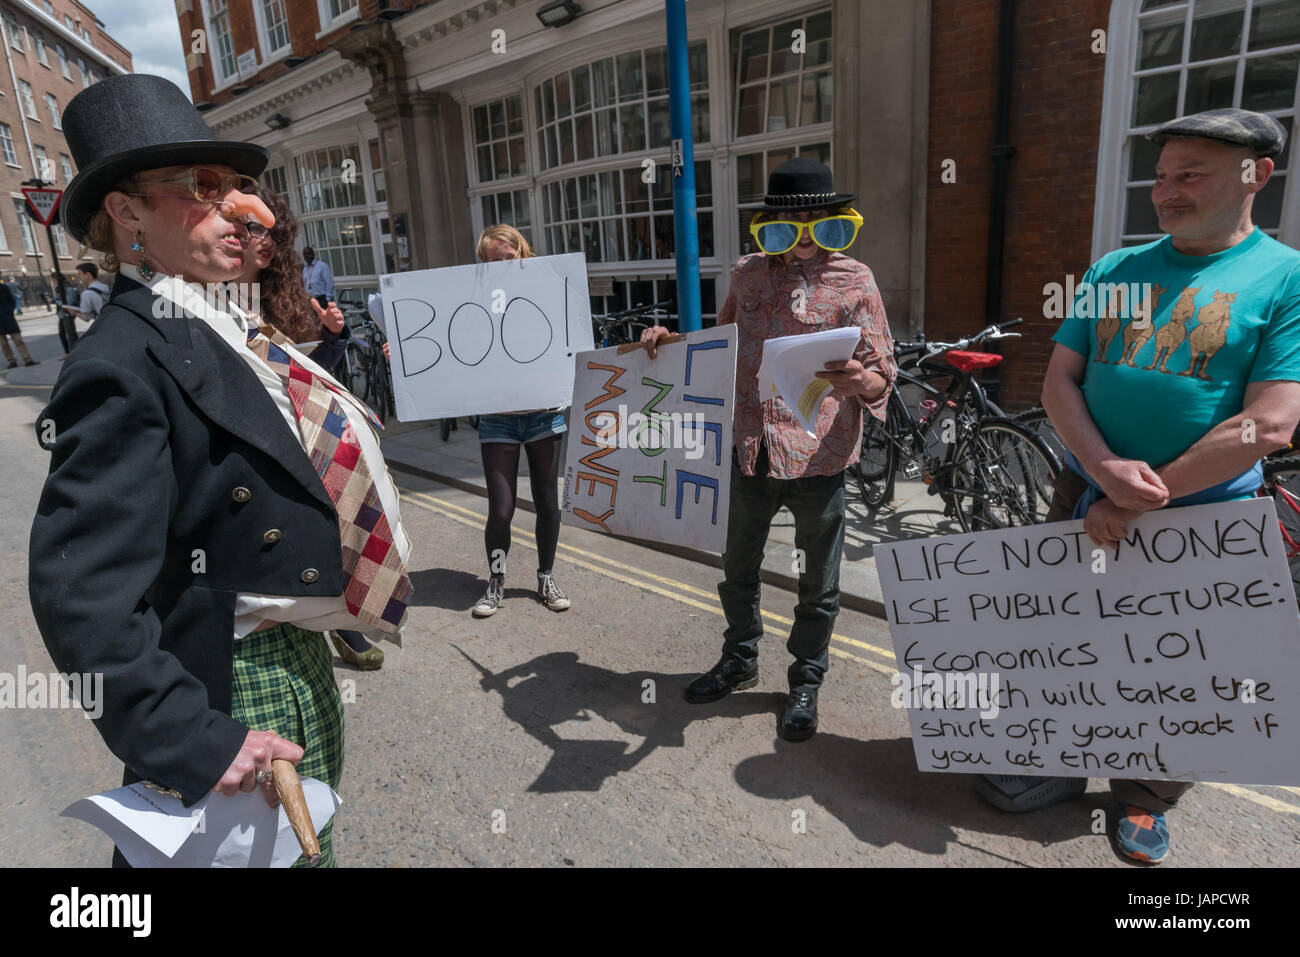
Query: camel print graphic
1138, 333
1173, 332
1210, 334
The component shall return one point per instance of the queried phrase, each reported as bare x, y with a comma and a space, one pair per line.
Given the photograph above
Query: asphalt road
536, 738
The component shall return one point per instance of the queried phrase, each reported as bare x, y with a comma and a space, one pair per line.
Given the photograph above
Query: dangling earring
137, 246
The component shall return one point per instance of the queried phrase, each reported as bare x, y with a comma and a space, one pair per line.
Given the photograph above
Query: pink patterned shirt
838, 291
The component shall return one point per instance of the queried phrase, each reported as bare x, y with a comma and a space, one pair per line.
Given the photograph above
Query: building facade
52, 50
400, 130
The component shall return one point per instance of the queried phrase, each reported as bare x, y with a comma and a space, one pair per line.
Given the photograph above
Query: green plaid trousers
284, 682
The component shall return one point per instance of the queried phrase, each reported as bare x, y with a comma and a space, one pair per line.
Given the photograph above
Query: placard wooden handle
665, 341
289, 786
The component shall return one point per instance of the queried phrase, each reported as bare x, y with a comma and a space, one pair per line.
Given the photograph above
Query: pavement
418, 449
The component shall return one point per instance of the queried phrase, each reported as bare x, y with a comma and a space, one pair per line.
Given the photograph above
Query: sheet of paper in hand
484, 338
649, 450
1175, 656
790, 365
154, 829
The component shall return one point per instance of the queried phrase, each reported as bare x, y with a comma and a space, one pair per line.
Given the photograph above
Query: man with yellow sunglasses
800, 282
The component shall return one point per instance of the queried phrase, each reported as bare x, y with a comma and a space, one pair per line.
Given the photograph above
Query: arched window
1169, 58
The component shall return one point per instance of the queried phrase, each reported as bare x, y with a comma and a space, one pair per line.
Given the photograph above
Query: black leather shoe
728, 675
799, 721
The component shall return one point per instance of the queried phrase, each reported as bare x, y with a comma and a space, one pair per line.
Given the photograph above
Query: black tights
501, 466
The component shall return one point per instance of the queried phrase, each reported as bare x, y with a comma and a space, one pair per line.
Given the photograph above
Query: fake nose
246, 204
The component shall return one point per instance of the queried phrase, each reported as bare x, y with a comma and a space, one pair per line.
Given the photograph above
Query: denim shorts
520, 428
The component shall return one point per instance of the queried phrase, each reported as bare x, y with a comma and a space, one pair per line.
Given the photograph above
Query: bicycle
621, 328
989, 474
364, 369
1282, 482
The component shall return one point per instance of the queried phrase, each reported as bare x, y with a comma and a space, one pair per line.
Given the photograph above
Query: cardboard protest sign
490, 337
1175, 656
649, 452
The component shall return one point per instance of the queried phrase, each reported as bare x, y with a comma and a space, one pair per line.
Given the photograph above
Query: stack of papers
790, 366
153, 829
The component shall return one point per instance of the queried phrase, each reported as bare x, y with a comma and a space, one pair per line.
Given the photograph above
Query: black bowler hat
802, 183
131, 123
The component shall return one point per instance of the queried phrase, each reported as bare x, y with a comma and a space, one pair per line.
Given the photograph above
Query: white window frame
60, 241
38, 43
4, 241
711, 26
56, 116
328, 24
220, 78
25, 93
1118, 92
63, 61
7, 146
44, 164
16, 33
26, 227
65, 165
270, 55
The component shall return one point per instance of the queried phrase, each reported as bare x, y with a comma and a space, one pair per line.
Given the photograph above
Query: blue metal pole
685, 225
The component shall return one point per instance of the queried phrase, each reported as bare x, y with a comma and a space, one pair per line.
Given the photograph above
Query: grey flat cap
1239, 127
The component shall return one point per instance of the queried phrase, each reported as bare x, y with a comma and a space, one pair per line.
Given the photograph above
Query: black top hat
134, 122
802, 183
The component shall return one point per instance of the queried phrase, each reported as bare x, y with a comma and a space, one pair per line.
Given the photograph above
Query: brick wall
304, 24
1055, 118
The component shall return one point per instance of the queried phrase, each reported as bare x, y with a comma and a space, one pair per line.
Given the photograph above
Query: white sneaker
550, 593
489, 603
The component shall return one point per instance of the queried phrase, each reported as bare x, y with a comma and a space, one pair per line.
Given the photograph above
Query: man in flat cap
215, 501
1151, 399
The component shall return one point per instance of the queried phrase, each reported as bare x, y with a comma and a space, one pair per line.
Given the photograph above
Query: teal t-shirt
1156, 384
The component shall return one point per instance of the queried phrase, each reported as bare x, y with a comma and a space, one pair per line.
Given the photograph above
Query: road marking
1249, 794
475, 520
669, 582
7, 385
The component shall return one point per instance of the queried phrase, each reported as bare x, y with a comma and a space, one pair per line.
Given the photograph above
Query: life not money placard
491, 337
649, 451
1175, 656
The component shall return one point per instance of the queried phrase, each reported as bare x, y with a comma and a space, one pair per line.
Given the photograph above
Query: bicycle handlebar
902, 350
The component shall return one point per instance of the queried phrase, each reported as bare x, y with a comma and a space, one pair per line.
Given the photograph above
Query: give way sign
43, 203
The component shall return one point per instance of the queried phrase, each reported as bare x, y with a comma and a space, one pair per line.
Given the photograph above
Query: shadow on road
552, 689
454, 589
876, 790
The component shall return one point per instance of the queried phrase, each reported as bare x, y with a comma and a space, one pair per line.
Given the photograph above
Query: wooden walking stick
289, 787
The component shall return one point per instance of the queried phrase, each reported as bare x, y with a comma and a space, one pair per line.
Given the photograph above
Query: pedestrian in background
317, 277
9, 330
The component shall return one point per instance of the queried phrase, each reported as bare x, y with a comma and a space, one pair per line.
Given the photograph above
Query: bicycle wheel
1036, 420
996, 474
874, 471
1282, 481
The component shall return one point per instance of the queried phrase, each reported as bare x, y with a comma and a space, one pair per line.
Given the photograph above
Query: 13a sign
44, 203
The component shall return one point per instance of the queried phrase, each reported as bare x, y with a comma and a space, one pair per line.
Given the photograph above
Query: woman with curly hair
274, 264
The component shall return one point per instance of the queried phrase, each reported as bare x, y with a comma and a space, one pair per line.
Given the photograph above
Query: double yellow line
647, 581
691, 596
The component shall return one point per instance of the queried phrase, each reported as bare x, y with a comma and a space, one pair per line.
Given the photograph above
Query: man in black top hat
177, 486
799, 283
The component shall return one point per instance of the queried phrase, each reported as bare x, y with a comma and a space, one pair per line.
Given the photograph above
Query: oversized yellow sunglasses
833, 233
